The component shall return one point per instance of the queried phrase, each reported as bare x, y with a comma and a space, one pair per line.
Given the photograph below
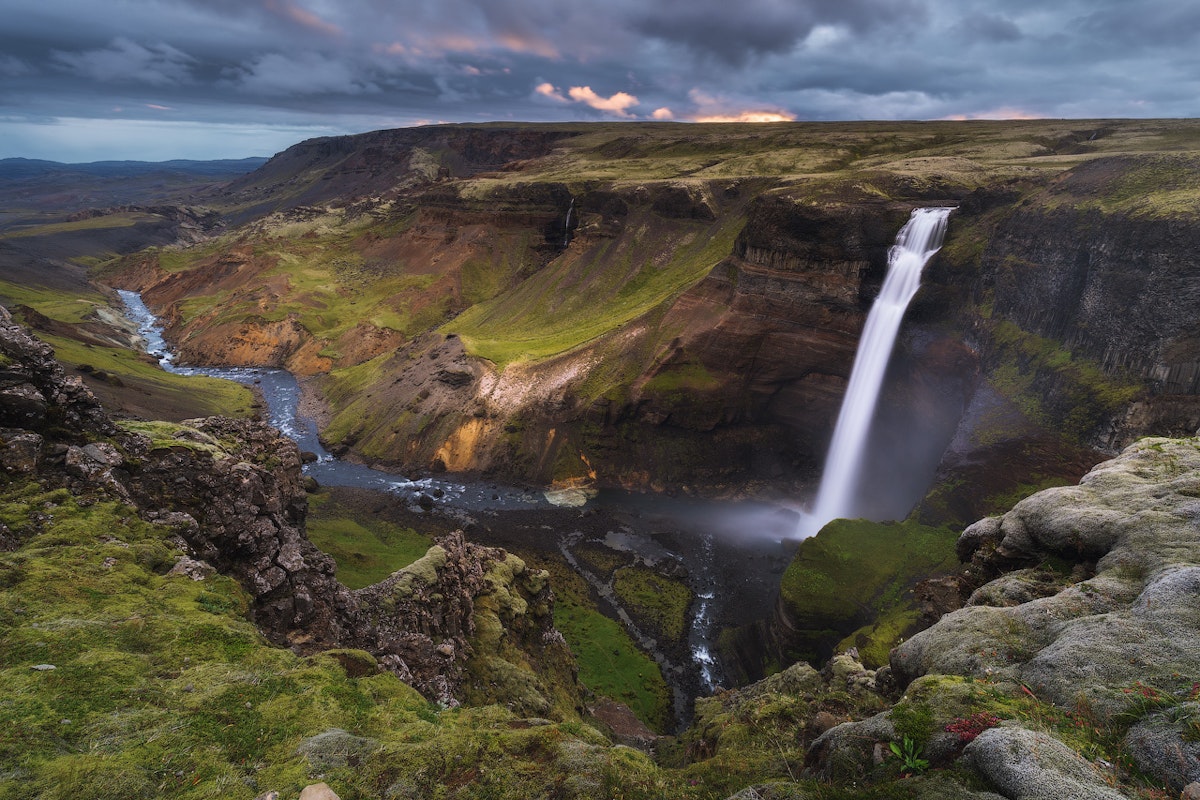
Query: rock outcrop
1110, 643
231, 492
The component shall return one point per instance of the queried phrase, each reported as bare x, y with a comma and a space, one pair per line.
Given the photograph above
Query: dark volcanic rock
36, 394
233, 492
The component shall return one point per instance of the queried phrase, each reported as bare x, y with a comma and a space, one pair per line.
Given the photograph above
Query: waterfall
567, 224
916, 243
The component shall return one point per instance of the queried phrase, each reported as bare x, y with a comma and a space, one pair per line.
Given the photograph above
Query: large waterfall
916, 243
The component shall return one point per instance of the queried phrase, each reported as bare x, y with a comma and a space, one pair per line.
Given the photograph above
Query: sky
82, 80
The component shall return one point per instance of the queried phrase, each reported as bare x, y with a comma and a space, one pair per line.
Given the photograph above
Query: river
732, 553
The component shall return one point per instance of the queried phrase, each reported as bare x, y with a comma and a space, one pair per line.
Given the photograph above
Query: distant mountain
17, 168
34, 191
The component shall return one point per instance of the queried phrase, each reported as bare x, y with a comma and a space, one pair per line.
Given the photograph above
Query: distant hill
17, 168
34, 192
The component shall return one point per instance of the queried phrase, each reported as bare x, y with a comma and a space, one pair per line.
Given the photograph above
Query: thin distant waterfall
567, 224
916, 243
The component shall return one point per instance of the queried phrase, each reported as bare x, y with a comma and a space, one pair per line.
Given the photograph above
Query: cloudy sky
82, 80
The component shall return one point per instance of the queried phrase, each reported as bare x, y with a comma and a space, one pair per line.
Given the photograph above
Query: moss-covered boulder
850, 584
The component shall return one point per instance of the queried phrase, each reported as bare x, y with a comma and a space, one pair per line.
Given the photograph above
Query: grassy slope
160, 688
366, 549
129, 372
582, 296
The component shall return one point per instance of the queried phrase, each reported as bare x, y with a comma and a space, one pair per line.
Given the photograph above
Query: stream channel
731, 554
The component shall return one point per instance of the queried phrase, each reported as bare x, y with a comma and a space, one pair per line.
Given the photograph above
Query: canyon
674, 310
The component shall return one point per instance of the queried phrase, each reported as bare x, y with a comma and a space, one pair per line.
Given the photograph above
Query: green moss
162, 688
682, 378
1083, 396
875, 640
610, 663
366, 549
582, 296
660, 602
856, 572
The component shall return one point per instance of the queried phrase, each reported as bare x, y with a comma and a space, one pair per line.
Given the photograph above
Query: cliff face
1107, 272
656, 308
231, 491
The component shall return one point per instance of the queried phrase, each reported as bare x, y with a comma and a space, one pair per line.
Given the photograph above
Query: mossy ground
117, 373
610, 663
659, 602
366, 549
161, 688
855, 572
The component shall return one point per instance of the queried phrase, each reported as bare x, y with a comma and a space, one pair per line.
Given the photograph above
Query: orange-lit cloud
157, 107
519, 43
714, 108
663, 113
618, 103
304, 17
548, 90
1004, 112
748, 116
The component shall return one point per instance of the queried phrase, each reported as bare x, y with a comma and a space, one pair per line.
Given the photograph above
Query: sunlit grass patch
366, 549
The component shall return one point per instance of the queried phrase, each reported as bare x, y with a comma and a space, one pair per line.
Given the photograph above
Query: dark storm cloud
1146, 24
989, 27
208, 77
738, 32
157, 63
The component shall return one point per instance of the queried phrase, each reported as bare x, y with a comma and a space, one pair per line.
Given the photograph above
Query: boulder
20, 450
1027, 765
318, 791
1164, 745
1135, 621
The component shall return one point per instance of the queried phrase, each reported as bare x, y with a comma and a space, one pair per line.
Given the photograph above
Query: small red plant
968, 728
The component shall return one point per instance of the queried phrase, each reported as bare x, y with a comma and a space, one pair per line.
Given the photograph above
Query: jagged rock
1190, 792
188, 567
36, 394
232, 493
1027, 765
249, 508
